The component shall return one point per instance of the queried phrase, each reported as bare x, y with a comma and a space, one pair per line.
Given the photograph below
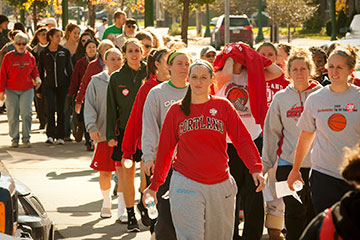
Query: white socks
107, 198
121, 204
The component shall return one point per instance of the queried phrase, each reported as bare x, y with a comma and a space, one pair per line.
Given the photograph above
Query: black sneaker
133, 226
145, 219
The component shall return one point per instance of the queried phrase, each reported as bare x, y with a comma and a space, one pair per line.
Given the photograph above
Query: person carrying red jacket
241, 74
18, 76
156, 74
202, 191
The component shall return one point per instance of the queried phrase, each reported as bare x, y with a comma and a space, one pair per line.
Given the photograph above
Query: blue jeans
19, 102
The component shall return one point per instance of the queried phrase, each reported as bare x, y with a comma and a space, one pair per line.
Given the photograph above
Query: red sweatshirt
17, 71
133, 130
255, 64
93, 68
79, 71
201, 143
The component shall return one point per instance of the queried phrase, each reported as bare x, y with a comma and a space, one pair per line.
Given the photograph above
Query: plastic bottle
297, 186
151, 206
128, 163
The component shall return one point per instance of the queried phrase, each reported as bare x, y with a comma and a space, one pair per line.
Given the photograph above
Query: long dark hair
52, 32
35, 39
80, 50
186, 101
154, 56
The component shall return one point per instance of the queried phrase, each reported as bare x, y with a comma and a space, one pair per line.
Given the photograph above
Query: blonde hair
351, 169
301, 54
69, 28
349, 52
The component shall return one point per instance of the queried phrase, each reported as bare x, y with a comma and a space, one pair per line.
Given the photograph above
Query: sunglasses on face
210, 55
21, 44
147, 46
84, 40
130, 26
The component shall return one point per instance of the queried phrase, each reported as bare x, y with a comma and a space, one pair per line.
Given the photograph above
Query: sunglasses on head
130, 26
21, 44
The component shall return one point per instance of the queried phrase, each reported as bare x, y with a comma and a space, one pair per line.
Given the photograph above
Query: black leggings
251, 202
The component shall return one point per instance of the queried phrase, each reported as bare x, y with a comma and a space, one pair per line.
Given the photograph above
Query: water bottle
297, 186
128, 163
151, 206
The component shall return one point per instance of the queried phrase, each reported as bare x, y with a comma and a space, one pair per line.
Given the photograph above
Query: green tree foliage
290, 12
236, 7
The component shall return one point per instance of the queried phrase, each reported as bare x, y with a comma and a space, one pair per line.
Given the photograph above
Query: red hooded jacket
133, 130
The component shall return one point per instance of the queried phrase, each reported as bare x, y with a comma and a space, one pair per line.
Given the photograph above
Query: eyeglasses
210, 55
147, 46
130, 26
21, 44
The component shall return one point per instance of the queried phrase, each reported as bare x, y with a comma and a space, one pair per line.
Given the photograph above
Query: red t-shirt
201, 143
274, 86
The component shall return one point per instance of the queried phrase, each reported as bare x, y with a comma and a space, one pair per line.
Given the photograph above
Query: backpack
328, 230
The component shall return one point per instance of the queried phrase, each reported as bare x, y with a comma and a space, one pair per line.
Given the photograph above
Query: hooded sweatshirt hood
280, 131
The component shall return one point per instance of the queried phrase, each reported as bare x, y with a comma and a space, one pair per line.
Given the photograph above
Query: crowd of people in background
209, 133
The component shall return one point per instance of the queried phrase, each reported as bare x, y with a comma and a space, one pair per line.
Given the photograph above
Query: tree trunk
289, 33
122, 4
92, 14
198, 22
185, 22
34, 16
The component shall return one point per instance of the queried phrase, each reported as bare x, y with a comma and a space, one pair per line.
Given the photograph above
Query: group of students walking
205, 131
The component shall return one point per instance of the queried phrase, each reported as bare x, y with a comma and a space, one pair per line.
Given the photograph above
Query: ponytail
186, 102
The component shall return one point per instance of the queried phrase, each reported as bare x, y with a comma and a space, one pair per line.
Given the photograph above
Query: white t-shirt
101, 30
236, 91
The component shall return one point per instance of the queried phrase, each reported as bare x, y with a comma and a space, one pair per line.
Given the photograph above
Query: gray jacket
95, 104
280, 131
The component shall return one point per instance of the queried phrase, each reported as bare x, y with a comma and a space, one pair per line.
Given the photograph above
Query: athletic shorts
102, 160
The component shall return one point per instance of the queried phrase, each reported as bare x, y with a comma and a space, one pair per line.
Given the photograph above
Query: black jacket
55, 69
346, 219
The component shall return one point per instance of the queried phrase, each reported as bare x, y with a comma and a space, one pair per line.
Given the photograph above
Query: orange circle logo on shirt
337, 122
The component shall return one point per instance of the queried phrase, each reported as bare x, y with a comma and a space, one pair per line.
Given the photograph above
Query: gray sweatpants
201, 211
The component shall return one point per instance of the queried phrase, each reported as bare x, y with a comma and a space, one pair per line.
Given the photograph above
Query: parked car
9, 225
240, 30
32, 213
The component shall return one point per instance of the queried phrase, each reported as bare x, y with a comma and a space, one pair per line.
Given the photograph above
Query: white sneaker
60, 141
122, 219
105, 213
50, 140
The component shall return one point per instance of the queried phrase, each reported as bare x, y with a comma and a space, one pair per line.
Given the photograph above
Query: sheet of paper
282, 190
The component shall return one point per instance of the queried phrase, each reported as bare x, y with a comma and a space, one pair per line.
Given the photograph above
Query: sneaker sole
136, 229
104, 217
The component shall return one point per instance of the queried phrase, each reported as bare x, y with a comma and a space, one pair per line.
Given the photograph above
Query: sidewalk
61, 178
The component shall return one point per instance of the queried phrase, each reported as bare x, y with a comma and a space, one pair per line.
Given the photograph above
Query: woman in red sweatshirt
157, 72
202, 191
19, 74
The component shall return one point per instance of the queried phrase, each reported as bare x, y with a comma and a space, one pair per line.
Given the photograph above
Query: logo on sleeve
337, 122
